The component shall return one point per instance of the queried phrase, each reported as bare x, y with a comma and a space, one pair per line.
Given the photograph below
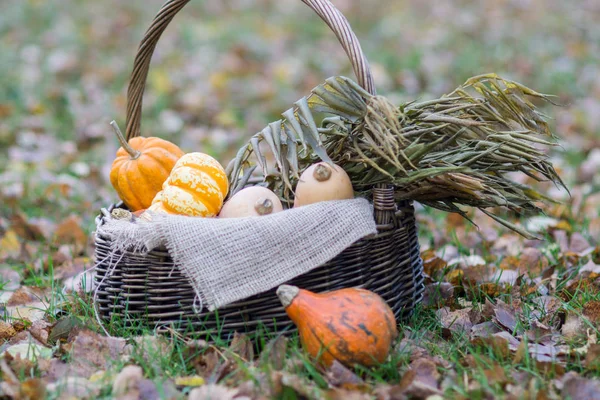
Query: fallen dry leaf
340, 376
456, 321
242, 346
426, 372
275, 352
69, 231
126, 382
212, 392
68, 387
579, 388
91, 352
10, 246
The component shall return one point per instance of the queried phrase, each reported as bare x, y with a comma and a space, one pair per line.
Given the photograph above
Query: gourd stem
287, 294
322, 173
132, 152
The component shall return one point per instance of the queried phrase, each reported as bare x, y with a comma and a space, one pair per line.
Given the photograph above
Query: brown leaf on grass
531, 262
213, 365
11, 280
53, 369
69, 231
10, 246
540, 333
6, 331
484, 329
33, 388
592, 358
426, 372
513, 342
455, 321
436, 294
126, 382
580, 244
152, 346
29, 231
432, 264
19, 362
591, 310
388, 392
212, 392
275, 352
496, 344
343, 394
506, 317
410, 347
40, 330
206, 363
75, 387
71, 268
302, 387
562, 239
496, 375
573, 326
91, 352
340, 376
26, 295
545, 358
242, 346
576, 387
414, 388
149, 390
27, 303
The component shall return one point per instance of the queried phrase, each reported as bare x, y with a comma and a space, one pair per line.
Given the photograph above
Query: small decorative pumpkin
141, 167
196, 187
353, 326
251, 201
323, 182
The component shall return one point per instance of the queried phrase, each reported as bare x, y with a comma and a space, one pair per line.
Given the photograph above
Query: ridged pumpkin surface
196, 186
138, 180
353, 326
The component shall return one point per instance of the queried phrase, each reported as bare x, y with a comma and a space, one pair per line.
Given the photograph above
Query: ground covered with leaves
503, 317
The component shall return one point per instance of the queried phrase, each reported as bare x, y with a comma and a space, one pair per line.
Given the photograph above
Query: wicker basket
149, 291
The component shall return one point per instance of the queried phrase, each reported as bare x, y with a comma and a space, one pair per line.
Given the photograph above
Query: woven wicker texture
230, 259
149, 291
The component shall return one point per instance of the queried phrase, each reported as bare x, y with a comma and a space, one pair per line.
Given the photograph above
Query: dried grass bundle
452, 151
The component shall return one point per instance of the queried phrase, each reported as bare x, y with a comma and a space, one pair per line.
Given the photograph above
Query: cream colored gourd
250, 202
321, 182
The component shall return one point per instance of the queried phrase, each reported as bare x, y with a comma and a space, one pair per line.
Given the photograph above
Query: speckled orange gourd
141, 167
353, 326
196, 187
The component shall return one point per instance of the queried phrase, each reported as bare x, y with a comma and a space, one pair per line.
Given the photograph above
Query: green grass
417, 53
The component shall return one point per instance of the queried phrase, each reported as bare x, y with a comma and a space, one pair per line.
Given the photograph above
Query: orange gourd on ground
196, 187
141, 167
353, 326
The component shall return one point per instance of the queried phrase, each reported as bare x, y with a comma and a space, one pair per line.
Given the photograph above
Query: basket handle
324, 8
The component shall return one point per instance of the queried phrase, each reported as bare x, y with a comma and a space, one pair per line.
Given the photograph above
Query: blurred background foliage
224, 69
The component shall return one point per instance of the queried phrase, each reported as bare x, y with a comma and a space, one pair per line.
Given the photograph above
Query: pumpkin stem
264, 206
132, 152
322, 173
287, 294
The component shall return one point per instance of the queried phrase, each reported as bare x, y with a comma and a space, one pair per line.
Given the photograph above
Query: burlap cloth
231, 259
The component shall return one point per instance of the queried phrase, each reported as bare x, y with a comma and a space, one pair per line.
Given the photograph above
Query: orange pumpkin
141, 167
353, 326
196, 187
